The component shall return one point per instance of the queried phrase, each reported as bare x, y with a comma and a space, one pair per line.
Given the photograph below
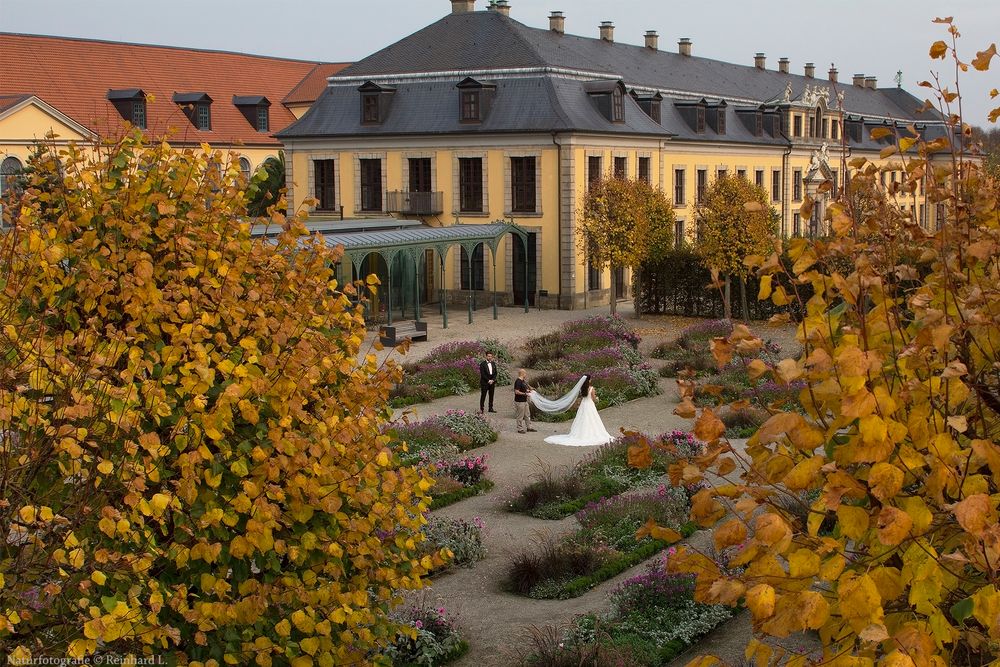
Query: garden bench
392, 335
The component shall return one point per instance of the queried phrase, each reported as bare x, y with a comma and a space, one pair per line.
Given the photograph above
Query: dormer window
649, 103
474, 99
131, 104
369, 108
758, 130
470, 105
617, 106
197, 107
720, 125
699, 123
256, 109
374, 102
608, 97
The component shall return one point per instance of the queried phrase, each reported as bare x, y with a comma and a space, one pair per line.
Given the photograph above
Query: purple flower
418, 624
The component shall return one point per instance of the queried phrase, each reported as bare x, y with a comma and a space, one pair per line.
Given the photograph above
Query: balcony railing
416, 203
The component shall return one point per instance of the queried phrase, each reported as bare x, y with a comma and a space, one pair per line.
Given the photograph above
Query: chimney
833, 74
859, 80
462, 6
758, 60
557, 22
810, 70
684, 46
607, 31
783, 65
502, 7
652, 40
871, 82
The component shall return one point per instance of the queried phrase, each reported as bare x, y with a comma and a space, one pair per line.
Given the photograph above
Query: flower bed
653, 619
604, 546
603, 473
692, 350
437, 443
431, 638
450, 369
604, 347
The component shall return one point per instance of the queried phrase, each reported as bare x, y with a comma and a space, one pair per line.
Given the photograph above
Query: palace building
478, 117
84, 89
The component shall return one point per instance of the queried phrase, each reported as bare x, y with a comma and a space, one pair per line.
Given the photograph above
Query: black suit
485, 384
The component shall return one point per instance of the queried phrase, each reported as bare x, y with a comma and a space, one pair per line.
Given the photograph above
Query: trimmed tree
735, 222
191, 457
622, 222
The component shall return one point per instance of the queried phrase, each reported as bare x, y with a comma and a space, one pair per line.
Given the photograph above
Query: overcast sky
874, 37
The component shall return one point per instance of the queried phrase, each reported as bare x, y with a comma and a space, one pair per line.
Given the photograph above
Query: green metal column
524, 240
444, 296
416, 287
471, 291
388, 293
493, 252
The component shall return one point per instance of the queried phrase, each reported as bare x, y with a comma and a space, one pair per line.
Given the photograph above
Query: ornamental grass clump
193, 466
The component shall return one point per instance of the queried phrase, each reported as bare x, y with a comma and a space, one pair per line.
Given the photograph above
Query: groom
487, 381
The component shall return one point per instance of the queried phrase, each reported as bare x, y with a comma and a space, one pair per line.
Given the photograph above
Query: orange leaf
938, 49
730, 533
722, 351
982, 60
640, 455
885, 480
893, 526
973, 513
686, 409
708, 428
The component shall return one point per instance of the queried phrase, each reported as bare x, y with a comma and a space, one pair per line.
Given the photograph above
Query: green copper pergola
412, 243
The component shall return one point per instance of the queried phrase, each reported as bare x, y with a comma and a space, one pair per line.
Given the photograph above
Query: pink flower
419, 624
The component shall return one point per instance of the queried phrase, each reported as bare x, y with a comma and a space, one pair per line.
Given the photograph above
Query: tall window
644, 174
836, 189
699, 120
371, 185
702, 184
797, 185
593, 276
617, 106
812, 127
826, 128
621, 168
478, 269
835, 130
758, 178
721, 173
203, 116
326, 190
263, 118
139, 113
470, 105
758, 129
775, 185
522, 184
470, 184
420, 174
742, 173
593, 170
721, 121
796, 224
797, 125
369, 108
654, 110
245, 169
10, 169
678, 233
678, 187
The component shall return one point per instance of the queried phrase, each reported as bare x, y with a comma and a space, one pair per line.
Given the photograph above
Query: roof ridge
172, 47
524, 41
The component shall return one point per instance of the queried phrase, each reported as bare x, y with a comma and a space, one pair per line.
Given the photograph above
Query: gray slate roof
489, 40
536, 104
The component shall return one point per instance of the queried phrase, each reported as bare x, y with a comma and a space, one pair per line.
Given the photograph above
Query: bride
587, 428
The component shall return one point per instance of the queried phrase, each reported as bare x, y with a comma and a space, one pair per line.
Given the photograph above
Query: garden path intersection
493, 621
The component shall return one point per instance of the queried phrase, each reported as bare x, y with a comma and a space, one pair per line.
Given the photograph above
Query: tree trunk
636, 281
743, 299
614, 293
727, 310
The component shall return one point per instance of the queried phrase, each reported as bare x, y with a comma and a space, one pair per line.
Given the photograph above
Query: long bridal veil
559, 405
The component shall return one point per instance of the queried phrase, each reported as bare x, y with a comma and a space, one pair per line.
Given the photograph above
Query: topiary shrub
192, 465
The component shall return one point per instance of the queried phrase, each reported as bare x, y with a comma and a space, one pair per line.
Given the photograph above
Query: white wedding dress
587, 428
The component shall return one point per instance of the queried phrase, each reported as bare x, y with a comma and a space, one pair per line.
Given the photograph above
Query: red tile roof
7, 101
74, 76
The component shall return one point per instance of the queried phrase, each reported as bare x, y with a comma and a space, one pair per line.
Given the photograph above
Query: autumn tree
871, 515
624, 221
735, 221
266, 185
191, 458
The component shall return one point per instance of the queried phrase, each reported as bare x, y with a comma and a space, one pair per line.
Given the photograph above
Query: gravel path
495, 622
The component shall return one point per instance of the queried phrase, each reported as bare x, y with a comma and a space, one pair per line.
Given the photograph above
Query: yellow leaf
853, 521
938, 49
105, 467
27, 514
765, 288
310, 645
860, 603
885, 480
98, 577
283, 627
803, 563
382, 459
803, 475
760, 601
